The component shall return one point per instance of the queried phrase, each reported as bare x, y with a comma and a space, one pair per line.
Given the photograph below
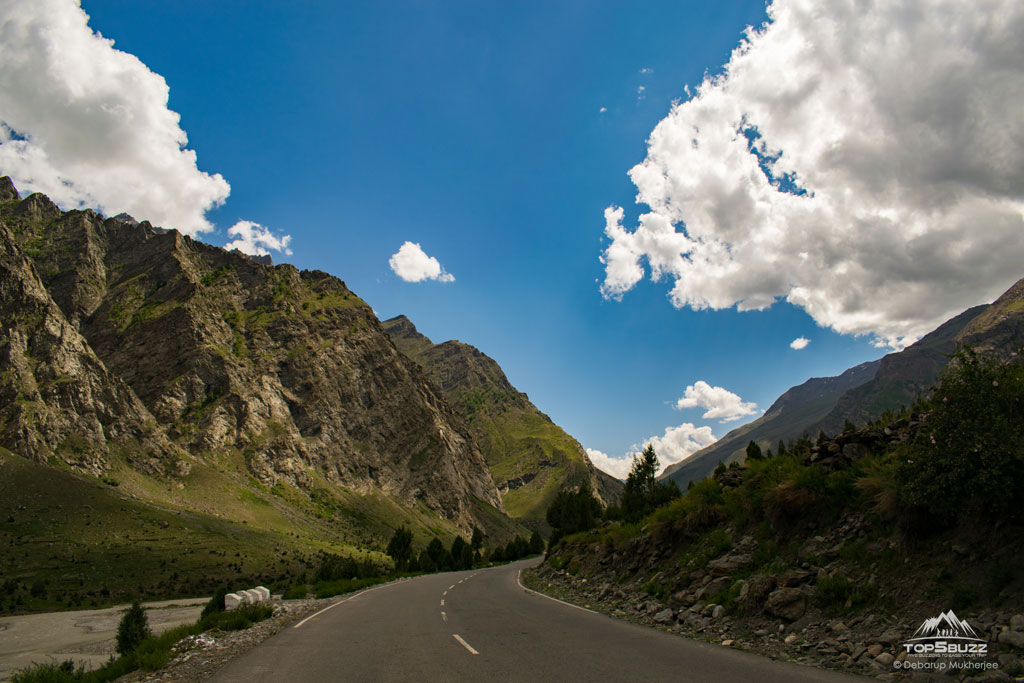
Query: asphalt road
483, 626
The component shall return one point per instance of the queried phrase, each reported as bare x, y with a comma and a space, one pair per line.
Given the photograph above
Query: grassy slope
88, 542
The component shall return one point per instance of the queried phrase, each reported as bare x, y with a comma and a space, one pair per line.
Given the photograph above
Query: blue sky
495, 136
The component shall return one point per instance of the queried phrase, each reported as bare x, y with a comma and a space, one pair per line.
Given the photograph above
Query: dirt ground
87, 637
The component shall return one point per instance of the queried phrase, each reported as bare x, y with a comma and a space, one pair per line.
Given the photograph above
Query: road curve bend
482, 625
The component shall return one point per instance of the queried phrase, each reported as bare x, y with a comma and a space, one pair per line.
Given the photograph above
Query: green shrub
51, 672
216, 603
296, 592
655, 590
236, 619
838, 595
971, 447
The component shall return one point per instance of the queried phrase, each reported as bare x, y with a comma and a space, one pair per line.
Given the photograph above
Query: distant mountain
901, 377
530, 457
792, 413
199, 376
865, 392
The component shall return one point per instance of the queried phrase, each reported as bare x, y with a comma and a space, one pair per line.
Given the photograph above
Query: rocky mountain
901, 377
530, 457
131, 349
865, 392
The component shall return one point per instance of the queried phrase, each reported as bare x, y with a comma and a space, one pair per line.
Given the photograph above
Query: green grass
69, 541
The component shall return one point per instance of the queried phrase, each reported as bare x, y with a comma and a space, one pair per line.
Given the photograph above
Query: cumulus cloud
862, 161
646, 70
675, 445
720, 402
799, 343
89, 125
412, 264
603, 109
617, 467
253, 238
679, 443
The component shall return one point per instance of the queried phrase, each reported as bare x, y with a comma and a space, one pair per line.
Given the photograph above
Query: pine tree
536, 543
133, 629
400, 548
462, 554
754, 451
642, 493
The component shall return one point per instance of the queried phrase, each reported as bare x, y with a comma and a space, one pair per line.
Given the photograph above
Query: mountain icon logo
946, 625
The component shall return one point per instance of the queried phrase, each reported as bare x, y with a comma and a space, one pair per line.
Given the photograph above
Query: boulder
1012, 638
727, 565
716, 586
665, 616
786, 603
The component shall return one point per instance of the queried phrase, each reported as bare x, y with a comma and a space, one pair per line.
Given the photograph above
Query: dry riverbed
87, 637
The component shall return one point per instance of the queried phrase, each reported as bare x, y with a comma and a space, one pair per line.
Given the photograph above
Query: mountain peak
400, 327
7, 190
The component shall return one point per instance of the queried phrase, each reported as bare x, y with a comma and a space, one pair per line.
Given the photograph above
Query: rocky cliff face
531, 458
118, 332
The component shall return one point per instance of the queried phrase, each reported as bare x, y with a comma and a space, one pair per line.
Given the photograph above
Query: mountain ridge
865, 392
219, 364
530, 457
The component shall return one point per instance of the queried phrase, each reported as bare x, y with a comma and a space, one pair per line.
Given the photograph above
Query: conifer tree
133, 629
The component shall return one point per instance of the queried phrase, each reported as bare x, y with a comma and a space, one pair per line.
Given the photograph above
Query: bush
65, 672
838, 595
216, 603
296, 592
133, 629
970, 449
236, 619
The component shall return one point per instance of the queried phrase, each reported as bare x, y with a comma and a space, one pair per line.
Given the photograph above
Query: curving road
483, 626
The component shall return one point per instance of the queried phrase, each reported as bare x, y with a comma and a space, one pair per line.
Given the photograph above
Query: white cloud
646, 70
603, 109
799, 343
679, 443
253, 238
720, 402
640, 92
412, 264
676, 444
89, 125
902, 123
617, 467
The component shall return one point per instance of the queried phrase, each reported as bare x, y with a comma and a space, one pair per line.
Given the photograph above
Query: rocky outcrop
530, 456
128, 332
57, 399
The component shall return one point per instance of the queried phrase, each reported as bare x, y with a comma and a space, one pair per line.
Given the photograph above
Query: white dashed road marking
466, 645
